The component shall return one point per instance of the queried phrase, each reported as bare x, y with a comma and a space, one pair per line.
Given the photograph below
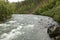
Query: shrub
4, 11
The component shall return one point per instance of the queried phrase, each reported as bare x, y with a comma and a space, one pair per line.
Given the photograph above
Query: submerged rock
50, 30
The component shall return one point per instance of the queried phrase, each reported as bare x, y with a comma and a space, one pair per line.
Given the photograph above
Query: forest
49, 8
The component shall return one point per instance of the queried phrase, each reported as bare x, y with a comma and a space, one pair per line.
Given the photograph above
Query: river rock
54, 32
57, 38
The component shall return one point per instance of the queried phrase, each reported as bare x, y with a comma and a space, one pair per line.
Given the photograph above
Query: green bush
57, 18
46, 8
51, 10
5, 13
57, 14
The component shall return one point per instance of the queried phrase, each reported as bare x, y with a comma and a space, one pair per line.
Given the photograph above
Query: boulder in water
53, 31
57, 38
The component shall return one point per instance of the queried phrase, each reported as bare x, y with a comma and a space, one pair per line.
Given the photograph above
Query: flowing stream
26, 27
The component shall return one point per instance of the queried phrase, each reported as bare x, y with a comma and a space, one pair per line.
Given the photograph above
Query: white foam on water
13, 31
5, 25
35, 18
19, 28
12, 21
2, 24
30, 26
4, 35
12, 34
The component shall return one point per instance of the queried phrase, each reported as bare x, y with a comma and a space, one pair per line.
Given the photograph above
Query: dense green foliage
49, 8
52, 9
5, 11
26, 6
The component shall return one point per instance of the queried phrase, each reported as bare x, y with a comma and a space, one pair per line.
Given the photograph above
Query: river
26, 27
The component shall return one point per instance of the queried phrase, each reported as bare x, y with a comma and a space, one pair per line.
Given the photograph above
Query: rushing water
26, 27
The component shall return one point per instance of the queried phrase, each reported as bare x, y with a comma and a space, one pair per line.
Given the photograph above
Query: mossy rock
53, 31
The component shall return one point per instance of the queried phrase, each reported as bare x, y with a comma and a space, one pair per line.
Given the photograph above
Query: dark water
26, 27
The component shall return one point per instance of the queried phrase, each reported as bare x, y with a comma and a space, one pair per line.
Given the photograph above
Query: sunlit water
26, 27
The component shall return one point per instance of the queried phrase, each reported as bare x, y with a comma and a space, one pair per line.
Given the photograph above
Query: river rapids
26, 27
